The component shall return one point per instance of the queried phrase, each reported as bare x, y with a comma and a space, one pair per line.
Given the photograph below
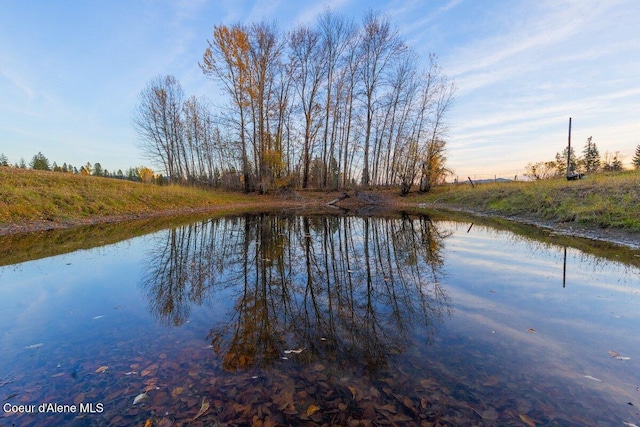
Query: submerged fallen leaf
177, 392
140, 398
148, 423
491, 381
353, 391
528, 421
79, 399
312, 410
388, 408
490, 414
589, 377
101, 369
98, 317
296, 351
533, 331
203, 408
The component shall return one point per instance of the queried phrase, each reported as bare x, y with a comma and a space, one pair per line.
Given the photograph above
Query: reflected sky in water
457, 322
510, 295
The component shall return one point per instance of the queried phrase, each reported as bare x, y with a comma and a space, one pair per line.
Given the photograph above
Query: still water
272, 320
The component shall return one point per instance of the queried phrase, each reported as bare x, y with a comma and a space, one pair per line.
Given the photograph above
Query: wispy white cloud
13, 81
422, 13
522, 68
520, 81
264, 10
310, 14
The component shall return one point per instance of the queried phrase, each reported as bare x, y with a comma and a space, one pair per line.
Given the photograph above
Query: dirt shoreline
46, 225
615, 236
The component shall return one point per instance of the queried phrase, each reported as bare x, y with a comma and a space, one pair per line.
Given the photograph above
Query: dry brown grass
601, 200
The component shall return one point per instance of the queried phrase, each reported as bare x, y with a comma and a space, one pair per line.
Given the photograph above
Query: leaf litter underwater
274, 321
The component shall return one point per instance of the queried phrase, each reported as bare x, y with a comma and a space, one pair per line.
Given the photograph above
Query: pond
289, 319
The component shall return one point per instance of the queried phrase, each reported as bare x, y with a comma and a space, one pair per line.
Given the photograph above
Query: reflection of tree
343, 288
182, 268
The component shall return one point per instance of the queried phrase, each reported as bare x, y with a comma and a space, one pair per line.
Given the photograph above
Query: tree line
40, 162
329, 105
590, 162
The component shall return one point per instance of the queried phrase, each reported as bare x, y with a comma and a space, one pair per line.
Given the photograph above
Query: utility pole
571, 175
569, 153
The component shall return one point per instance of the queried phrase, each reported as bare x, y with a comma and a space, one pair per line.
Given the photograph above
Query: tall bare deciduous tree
379, 46
157, 120
226, 60
264, 69
326, 105
178, 135
309, 67
336, 35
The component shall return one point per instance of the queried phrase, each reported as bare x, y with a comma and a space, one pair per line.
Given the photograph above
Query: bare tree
157, 119
227, 61
433, 165
308, 63
326, 106
264, 68
336, 34
379, 46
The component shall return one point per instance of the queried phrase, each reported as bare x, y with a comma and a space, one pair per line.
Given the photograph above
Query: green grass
27, 195
599, 200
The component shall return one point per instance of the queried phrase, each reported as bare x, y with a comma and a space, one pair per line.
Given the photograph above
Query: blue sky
71, 71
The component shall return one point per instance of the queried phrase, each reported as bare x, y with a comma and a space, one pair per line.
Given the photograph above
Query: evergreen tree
4, 161
97, 169
561, 162
617, 163
40, 162
636, 158
591, 156
613, 163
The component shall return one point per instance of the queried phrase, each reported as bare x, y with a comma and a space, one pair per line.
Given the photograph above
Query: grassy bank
27, 195
599, 200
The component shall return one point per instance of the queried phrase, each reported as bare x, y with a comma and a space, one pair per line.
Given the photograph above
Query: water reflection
355, 304
345, 289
